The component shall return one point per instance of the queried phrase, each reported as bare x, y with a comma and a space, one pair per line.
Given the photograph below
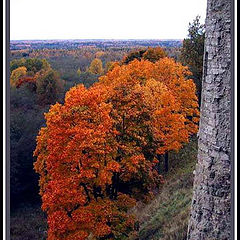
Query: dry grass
166, 217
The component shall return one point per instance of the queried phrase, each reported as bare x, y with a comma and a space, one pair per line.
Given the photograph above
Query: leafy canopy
97, 154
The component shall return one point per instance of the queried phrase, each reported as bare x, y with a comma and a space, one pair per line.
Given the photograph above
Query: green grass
166, 217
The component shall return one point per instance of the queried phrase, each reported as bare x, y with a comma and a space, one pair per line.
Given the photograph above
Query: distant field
99, 43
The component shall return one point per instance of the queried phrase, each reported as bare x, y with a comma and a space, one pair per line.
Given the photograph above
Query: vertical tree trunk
211, 204
166, 165
159, 163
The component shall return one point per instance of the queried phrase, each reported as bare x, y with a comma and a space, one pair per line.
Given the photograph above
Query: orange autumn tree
76, 159
156, 79
168, 123
98, 153
175, 76
177, 110
131, 116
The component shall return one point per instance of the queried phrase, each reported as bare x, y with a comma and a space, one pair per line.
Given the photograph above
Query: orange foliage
76, 160
166, 91
97, 154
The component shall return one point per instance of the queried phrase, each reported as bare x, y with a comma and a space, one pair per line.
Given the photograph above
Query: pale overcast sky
103, 19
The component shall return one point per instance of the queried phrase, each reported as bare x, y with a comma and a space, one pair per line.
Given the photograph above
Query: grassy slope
166, 217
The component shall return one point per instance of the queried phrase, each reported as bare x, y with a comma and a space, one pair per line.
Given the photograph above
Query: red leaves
25, 79
113, 166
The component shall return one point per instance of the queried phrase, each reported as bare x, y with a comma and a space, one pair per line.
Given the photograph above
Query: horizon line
84, 39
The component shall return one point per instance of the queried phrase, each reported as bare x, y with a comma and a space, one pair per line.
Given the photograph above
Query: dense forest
98, 43
107, 125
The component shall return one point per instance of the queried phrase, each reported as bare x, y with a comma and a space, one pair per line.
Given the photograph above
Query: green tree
154, 54
134, 55
16, 63
34, 65
150, 54
192, 52
45, 64
49, 86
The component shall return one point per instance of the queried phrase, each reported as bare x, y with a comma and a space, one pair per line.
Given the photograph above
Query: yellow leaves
96, 66
79, 72
99, 54
16, 75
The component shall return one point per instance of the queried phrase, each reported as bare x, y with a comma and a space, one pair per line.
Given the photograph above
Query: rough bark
211, 205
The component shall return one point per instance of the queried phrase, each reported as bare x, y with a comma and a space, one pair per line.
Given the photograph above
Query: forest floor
164, 218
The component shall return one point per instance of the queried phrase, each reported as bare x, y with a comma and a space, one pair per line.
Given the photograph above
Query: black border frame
7, 118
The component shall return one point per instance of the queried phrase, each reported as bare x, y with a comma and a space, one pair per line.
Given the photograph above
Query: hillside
164, 218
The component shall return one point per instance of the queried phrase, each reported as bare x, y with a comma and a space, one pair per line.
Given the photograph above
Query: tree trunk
159, 163
211, 205
166, 165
